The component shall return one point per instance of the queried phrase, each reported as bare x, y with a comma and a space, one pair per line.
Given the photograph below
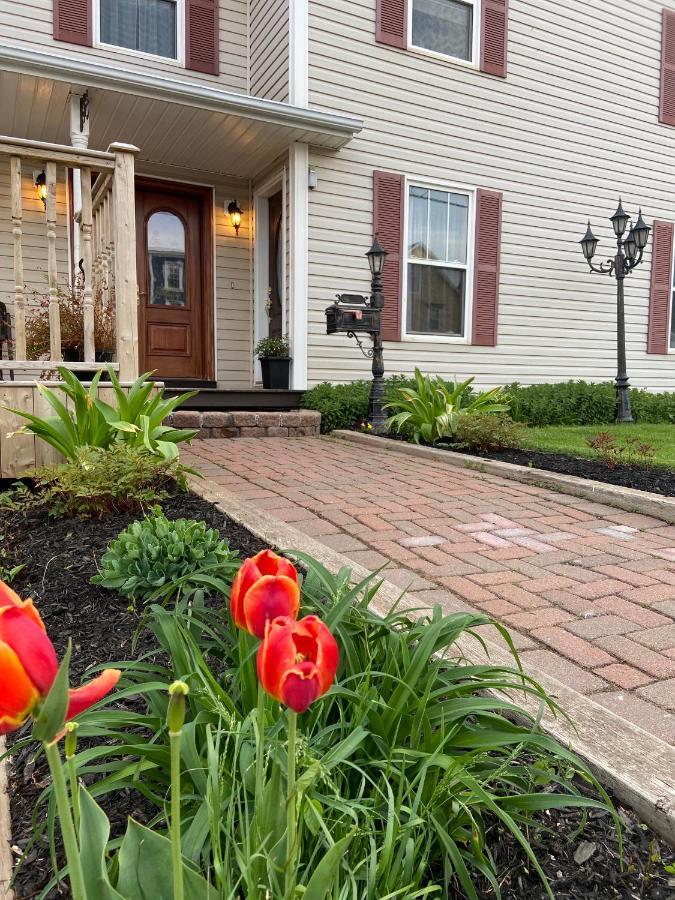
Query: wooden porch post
126, 281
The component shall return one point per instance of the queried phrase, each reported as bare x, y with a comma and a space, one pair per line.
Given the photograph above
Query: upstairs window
437, 262
446, 27
145, 26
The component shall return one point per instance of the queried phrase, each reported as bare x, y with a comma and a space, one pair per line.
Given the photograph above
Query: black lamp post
376, 259
629, 255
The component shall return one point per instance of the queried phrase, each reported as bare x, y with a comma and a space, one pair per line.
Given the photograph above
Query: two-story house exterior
476, 137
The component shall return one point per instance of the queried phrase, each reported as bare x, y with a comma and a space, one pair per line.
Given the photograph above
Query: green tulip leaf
145, 870
322, 881
94, 834
52, 715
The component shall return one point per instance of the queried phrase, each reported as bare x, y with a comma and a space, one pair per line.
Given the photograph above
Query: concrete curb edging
6, 863
636, 766
624, 498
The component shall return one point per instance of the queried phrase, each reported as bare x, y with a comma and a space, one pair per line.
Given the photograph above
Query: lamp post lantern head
641, 231
589, 243
630, 245
620, 220
376, 257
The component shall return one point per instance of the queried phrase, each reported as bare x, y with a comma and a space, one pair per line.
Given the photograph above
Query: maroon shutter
486, 268
494, 37
388, 226
391, 23
658, 339
667, 102
201, 36
72, 22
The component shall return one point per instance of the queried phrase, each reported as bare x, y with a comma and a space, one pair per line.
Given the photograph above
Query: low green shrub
98, 482
585, 403
155, 553
489, 433
430, 411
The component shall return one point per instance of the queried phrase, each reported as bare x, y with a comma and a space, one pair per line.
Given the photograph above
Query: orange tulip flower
297, 661
28, 665
264, 588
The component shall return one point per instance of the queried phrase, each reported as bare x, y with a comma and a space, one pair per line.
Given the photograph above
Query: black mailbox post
354, 315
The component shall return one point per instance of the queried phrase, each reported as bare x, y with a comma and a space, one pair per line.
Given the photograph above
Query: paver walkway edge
638, 767
5, 833
612, 494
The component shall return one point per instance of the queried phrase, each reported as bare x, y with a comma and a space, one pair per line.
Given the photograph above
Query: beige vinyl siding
28, 24
547, 137
34, 241
268, 49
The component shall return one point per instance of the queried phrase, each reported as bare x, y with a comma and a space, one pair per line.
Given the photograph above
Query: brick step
239, 424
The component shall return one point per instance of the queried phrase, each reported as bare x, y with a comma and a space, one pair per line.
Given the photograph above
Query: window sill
140, 54
442, 57
434, 339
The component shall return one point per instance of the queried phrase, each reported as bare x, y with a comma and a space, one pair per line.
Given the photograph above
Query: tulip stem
74, 791
176, 851
260, 757
66, 820
291, 823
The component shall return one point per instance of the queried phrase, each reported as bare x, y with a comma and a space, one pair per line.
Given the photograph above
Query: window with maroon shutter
486, 268
661, 291
667, 101
494, 37
388, 203
201, 36
391, 23
73, 21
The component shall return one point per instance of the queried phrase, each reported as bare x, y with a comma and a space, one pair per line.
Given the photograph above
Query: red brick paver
587, 590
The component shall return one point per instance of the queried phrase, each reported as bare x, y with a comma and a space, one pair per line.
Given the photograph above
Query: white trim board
299, 262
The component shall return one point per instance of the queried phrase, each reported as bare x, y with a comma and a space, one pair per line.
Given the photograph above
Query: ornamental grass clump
157, 556
327, 753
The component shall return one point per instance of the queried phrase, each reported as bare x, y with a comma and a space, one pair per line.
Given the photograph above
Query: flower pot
276, 373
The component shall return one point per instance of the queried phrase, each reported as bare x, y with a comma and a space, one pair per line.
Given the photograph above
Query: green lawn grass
572, 439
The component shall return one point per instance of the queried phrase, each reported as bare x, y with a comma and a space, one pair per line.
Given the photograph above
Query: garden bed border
635, 765
629, 499
6, 863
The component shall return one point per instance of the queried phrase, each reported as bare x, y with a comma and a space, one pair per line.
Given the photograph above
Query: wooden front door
275, 265
175, 281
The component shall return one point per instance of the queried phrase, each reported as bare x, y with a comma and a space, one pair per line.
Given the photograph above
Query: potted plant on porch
275, 362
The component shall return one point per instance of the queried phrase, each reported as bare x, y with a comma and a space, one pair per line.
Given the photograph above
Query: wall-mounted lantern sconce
235, 215
41, 187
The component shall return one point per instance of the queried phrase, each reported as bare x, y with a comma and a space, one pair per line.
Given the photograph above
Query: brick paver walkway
588, 590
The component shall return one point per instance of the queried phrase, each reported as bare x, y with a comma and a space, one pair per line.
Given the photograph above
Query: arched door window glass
166, 260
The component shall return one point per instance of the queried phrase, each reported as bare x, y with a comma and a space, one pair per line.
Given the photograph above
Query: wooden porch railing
107, 224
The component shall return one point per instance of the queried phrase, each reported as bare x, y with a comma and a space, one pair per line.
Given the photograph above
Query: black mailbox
351, 313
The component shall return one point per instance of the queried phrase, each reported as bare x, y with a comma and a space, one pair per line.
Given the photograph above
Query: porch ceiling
173, 123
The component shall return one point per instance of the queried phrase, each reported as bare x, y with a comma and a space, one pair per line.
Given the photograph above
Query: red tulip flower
264, 588
297, 661
28, 665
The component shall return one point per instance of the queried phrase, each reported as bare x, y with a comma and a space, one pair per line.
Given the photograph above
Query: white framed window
145, 27
448, 28
671, 330
438, 261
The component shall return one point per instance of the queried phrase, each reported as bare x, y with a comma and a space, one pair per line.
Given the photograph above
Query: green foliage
155, 552
97, 482
135, 419
489, 432
403, 768
273, 348
584, 403
431, 410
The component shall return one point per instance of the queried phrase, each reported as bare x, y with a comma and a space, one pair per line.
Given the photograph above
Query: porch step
256, 399
245, 423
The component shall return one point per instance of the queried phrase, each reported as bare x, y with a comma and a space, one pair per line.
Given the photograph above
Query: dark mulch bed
655, 479
62, 555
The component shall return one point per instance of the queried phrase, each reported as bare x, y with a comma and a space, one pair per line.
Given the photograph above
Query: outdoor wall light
235, 215
41, 187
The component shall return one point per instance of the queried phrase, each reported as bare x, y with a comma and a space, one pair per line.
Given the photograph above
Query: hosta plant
430, 411
392, 781
156, 553
136, 418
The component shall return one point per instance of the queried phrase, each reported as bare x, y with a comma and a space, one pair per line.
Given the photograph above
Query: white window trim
671, 300
473, 63
141, 54
470, 192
